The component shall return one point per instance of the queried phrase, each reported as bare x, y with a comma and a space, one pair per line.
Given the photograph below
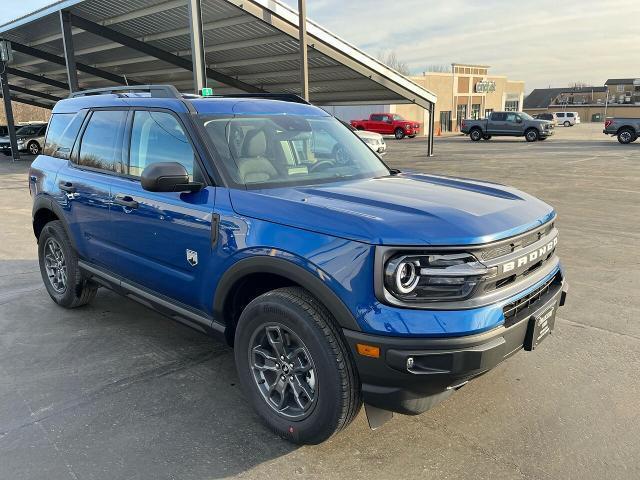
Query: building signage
485, 86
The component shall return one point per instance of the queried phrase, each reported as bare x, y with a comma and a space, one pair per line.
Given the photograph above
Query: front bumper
547, 133
439, 366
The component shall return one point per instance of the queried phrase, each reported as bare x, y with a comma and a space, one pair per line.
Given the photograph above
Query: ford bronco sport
338, 281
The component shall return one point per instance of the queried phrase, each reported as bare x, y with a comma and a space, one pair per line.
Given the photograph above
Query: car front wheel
294, 367
531, 135
399, 134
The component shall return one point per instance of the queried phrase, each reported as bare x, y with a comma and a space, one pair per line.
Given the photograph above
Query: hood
406, 209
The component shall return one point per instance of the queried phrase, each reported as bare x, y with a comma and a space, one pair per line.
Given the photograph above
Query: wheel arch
46, 210
239, 283
626, 127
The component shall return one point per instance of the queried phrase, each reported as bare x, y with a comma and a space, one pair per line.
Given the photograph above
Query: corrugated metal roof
620, 81
543, 97
254, 41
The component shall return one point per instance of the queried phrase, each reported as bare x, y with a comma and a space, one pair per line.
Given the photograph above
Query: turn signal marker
368, 350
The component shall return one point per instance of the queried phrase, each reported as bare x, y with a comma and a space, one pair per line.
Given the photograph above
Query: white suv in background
568, 119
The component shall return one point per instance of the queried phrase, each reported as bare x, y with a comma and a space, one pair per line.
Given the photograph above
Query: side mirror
168, 177
389, 121
518, 120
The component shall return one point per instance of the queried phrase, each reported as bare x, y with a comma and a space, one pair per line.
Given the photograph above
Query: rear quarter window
61, 134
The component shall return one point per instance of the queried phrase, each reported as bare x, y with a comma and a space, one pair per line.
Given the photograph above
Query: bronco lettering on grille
530, 258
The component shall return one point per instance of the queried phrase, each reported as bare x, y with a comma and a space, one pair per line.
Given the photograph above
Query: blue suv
338, 281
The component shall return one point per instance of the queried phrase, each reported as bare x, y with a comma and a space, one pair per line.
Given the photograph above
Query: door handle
67, 187
125, 200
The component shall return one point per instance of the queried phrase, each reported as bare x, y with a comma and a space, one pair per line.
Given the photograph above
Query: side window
384, 118
498, 117
102, 140
570, 115
511, 117
61, 134
560, 114
158, 137
376, 118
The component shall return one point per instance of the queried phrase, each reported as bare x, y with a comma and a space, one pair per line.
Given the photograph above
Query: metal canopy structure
231, 46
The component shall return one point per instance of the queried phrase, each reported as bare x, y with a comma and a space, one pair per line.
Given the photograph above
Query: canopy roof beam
37, 78
33, 93
50, 57
156, 53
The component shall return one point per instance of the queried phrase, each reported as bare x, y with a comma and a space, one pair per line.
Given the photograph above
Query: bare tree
390, 59
579, 85
441, 68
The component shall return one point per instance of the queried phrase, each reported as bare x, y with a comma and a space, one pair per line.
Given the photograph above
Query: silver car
30, 139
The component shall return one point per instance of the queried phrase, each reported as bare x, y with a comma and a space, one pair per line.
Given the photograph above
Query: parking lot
114, 390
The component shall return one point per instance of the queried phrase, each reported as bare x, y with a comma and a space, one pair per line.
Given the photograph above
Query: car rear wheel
475, 134
294, 367
531, 135
626, 136
33, 148
399, 133
62, 278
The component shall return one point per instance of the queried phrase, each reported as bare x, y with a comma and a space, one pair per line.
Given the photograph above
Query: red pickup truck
388, 124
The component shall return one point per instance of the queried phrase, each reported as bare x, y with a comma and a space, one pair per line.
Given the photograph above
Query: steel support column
8, 110
69, 53
304, 60
432, 110
197, 46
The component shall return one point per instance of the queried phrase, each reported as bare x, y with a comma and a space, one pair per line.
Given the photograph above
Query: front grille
512, 309
507, 247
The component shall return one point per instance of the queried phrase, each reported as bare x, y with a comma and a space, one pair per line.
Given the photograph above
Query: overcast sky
543, 42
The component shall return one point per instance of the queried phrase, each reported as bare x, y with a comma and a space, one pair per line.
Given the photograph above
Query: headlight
434, 277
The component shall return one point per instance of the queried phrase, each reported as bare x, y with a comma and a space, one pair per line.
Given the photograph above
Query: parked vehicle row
626, 129
30, 138
337, 280
567, 119
511, 124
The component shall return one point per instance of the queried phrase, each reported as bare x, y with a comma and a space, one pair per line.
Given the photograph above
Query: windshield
28, 130
277, 150
397, 117
526, 116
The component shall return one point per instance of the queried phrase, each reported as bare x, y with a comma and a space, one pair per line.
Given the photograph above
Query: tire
542, 139
567, 123
69, 288
475, 134
626, 136
399, 133
531, 135
330, 399
33, 148
486, 137
412, 136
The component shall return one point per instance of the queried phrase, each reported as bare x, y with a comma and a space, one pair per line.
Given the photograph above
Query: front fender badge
192, 257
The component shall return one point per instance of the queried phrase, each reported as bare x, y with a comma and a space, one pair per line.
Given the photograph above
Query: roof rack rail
285, 97
156, 91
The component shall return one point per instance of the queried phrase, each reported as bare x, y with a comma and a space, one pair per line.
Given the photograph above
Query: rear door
84, 182
496, 124
162, 240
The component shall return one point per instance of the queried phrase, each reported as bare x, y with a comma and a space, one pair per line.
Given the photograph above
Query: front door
162, 240
514, 124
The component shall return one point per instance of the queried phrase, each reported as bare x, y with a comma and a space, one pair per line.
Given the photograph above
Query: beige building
25, 113
468, 91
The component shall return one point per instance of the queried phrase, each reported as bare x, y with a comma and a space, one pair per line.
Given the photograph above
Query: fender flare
46, 202
287, 269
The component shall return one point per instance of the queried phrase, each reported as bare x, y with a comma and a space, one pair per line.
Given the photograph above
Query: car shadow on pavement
114, 390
